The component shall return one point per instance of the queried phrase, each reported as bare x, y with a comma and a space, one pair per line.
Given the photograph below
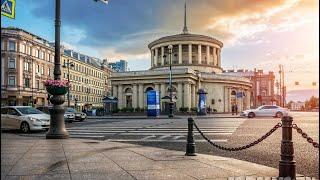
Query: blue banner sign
153, 103
202, 102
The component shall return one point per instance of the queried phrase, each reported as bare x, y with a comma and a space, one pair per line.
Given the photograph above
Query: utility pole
280, 85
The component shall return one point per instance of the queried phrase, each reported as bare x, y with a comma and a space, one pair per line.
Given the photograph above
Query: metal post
57, 128
287, 166
170, 83
68, 64
191, 145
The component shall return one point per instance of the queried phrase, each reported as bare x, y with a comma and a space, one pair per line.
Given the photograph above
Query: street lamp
170, 82
67, 65
57, 128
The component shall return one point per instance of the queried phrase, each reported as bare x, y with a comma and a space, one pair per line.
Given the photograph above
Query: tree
312, 103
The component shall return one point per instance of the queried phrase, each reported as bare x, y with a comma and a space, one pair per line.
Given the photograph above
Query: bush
138, 109
130, 109
115, 110
194, 109
184, 109
123, 110
214, 110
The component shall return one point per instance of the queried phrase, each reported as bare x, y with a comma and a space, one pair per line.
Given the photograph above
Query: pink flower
57, 83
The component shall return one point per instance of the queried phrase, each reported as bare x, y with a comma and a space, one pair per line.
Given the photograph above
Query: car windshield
71, 110
29, 110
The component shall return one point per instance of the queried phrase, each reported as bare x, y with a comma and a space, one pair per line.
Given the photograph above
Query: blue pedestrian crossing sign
8, 8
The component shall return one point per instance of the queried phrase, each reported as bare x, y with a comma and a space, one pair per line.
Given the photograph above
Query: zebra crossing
165, 132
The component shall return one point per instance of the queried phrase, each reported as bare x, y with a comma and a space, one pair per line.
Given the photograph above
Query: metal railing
287, 166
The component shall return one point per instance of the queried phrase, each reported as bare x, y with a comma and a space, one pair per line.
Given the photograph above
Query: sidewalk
38, 158
165, 116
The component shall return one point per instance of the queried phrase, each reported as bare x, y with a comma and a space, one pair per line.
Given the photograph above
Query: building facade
28, 60
196, 64
262, 92
119, 66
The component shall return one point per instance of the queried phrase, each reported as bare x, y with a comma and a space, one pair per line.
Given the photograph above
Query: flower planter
53, 90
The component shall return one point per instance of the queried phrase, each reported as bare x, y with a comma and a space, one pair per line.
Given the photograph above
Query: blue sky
255, 35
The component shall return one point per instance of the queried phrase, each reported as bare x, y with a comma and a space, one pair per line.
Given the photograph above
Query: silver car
25, 118
266, 110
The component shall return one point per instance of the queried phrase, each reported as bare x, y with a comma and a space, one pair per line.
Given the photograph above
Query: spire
185, 29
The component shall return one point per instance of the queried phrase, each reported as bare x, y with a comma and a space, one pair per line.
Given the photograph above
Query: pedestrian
232, 109
236, 108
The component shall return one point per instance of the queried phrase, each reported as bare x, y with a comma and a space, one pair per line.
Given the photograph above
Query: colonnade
186, 94
204, 57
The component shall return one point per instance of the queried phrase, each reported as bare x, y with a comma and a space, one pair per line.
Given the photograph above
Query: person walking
236, 109
232, 109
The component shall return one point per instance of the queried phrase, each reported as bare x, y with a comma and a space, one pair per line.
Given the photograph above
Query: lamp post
57, 128
67, 65
170, 82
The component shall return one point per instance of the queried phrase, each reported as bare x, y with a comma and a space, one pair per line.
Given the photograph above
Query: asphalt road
230, 132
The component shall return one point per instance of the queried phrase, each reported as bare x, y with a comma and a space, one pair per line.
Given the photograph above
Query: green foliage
184, 109
115, 110
194, 109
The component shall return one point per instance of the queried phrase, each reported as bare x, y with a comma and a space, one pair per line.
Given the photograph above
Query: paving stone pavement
39, 158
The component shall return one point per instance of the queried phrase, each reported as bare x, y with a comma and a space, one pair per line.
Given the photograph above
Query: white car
25, 118
266, 110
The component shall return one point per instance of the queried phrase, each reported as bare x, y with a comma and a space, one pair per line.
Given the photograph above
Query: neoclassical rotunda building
196, 64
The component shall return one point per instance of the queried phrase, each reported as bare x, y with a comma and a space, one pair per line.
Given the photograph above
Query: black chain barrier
242, 147
305, 135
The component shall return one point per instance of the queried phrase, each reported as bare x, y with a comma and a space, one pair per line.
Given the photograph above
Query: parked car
25, 118
78, 115
68, 117
266, 110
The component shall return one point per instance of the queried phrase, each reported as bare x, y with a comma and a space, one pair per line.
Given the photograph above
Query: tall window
42, 70
37, 84
37, 53
12, 46
38, 68
26, 82
29, 50
49, 72
11, 80
26, 66
22, 48
41, 54
12, 63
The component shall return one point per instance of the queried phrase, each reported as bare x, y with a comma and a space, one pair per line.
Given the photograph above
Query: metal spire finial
185, 29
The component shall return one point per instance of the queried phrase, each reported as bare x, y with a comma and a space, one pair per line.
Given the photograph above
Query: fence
287, 166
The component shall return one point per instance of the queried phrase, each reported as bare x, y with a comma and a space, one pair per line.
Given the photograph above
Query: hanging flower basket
57, 87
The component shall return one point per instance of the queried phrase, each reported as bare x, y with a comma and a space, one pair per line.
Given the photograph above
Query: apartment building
27, 60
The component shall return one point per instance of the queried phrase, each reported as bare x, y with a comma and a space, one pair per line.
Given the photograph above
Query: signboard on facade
153, 103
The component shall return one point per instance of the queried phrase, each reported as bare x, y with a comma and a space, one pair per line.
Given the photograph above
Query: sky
255, 33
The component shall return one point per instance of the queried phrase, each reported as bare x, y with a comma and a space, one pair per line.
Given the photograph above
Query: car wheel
279, 115
81, 120
251, 115
24, 127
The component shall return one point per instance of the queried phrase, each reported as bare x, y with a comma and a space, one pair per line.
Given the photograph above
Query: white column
115, 91
135, 96
190, 53
219, 58
152, 58
180, 53
162, 54
247, 93
120, 95
156, 58
180, 97
208, 54
199, 54
215, 60
193, 95
2, 69
187, 96
141, 95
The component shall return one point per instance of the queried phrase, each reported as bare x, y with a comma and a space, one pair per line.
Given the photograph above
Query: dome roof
186, 37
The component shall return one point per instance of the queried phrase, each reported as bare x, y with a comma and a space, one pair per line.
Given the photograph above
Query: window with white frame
11, 80
36, 53
49, 72
22, 48
12, 63
37, 84
38, 68
27, 82
12, 46
42, 70
29, 50
2, 44
26, 66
